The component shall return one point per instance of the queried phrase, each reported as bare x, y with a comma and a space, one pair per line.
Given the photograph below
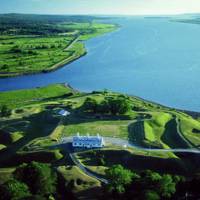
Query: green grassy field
80, 183
34, 124
105, 128
19, 98
34, 54
132, 159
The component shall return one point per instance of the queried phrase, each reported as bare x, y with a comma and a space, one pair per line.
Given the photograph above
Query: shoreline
193, 114
62, 63
59, 65
54, 67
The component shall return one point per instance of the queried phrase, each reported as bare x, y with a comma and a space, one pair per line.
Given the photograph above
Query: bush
90, 105
41, 178
118, 178
14, 189
118, 105
5, 66
19, 111
16, 49
79, 181
5, 111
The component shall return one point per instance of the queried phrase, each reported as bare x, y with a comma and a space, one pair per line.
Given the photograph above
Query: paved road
72, 43
122, 143
125, 143
85, 170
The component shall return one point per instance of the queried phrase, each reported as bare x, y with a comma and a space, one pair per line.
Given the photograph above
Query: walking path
85, 170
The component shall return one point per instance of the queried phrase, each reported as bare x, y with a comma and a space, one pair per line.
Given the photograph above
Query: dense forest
29, 24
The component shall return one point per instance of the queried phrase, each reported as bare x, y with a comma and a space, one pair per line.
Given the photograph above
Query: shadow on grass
136, 162
91, 193
136, 133
41, 124
171, 136
78, 117
67, 95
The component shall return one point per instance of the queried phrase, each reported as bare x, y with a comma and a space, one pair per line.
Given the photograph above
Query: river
153, 58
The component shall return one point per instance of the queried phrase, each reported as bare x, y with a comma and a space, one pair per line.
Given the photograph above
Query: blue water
152, 58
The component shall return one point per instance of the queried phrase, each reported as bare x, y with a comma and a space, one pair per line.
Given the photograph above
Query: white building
64, 112
88, 141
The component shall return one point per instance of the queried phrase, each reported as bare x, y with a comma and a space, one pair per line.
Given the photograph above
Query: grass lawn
19, 98
81, 184
5, 174
190, 128
34, 118
109, 128
133, 159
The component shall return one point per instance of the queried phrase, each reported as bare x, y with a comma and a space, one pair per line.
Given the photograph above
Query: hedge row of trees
114, 106
148, 185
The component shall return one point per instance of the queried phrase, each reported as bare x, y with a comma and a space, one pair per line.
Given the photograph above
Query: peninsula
32, 44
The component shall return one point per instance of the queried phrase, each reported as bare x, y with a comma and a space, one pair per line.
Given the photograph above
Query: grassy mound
7, 138
80, 183
44, 156
132, 160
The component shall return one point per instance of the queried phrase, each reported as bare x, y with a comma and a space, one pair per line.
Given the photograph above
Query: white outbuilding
88, 141
64, 112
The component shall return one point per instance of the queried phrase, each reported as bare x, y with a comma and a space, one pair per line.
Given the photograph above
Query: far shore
75, 56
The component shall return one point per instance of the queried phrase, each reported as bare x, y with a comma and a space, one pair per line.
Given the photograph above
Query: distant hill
38, 24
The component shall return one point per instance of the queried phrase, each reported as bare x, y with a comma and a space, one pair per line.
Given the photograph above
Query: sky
122, 7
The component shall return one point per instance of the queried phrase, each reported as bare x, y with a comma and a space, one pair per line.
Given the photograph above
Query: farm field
29, 54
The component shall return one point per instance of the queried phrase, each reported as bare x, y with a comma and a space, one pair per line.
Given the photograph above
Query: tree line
35, 181
148, 185
27, 24
39, 181
111, 105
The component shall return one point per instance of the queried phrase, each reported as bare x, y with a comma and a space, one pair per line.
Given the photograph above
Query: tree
14, 189
118, 105
5, 111
103, 107
90, 105
41, 178
151, 179
164, 185
167, 186
118, 178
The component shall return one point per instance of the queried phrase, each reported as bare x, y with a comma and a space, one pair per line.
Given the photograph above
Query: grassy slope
81, 184
33, 122
187, 125
25, 97
47, 53
148, 131
39, 124
133, 159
